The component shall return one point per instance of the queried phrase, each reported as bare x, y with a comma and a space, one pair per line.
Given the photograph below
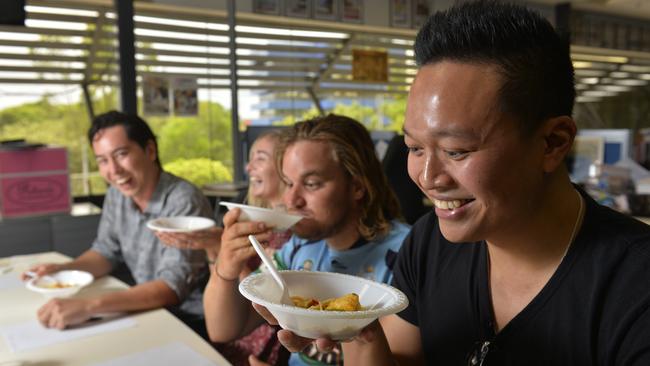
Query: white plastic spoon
286, 298
48, 278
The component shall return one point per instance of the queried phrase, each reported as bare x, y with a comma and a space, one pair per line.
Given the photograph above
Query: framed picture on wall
420, 12
400, 13
298, 8
155, 92
369, 65
185, 93
271, 7
352, 11
326, 9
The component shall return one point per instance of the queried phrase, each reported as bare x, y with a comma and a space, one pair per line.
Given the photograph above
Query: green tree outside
206, 135
389, 116
199, 171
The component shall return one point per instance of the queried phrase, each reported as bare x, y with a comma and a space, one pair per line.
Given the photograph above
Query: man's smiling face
124, 164
467, 156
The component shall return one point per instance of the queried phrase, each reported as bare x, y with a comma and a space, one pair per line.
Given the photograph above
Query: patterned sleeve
183, 269
107, 243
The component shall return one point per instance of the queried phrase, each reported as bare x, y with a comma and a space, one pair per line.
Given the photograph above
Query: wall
376, 12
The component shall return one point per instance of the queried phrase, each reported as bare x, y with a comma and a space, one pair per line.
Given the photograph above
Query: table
155, 328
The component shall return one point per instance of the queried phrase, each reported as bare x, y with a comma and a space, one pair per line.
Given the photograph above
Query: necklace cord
576, 225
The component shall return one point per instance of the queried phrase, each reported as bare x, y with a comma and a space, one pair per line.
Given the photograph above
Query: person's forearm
228, 315
90, 261
376, 352
149, 295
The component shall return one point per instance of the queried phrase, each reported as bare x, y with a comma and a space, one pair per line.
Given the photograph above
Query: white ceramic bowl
72, 280
280, 220
377, 299
180, 224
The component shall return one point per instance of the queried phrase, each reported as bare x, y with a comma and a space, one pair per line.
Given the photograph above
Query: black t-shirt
595, 309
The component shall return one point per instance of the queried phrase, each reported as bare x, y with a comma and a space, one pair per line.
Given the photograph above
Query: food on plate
304, 302
348, 302
56, 285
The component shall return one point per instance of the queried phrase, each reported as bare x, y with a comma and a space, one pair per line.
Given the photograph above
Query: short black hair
136, 129
533, 60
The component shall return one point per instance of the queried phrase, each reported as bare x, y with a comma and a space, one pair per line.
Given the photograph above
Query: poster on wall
326, 9
186, 101
369, 65
352, 11
298, 8
155, 91
420, 12
400, 13
271, 7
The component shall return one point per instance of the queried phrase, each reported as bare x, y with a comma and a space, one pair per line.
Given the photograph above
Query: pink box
34, 182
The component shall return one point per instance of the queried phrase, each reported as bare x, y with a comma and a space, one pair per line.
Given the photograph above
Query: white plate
180, 224
280, 220
73, 281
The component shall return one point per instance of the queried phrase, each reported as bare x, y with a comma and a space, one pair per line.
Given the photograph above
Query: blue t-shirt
373, 260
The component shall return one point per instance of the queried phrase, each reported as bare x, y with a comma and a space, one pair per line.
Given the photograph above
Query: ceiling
74, 42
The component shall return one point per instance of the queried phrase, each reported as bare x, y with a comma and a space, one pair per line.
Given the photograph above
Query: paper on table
171, 354
10, 281
29, 335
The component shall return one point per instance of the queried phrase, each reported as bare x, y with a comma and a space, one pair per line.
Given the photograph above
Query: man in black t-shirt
516, 266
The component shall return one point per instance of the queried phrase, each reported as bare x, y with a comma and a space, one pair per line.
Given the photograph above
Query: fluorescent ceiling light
619, 74
65, 11
631, 82
582, 65
18, 75
182, 23
635, 68
599, 58
614, 88
290, 32
583, 99
587, 73
598, 93
594, 65
20, 37
403, 42
589, 80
